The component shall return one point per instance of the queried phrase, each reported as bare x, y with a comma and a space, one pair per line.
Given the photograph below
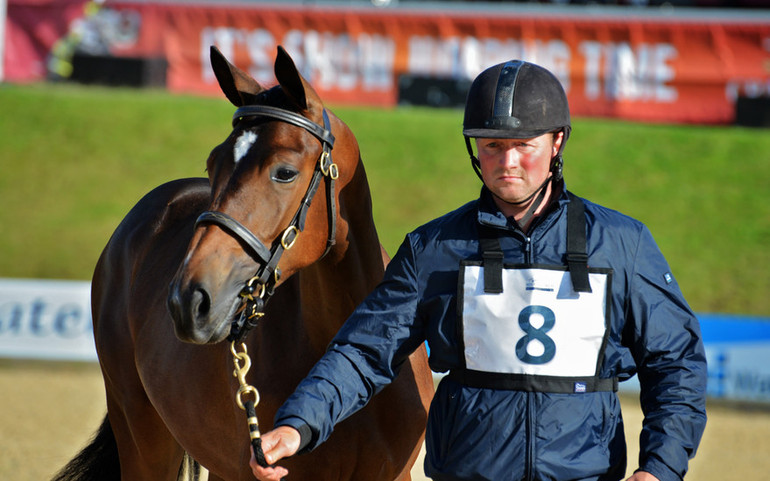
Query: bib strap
531, 383
577, 251
576, 257
492, 255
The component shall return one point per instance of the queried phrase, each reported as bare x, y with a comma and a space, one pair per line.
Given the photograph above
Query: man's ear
558, 139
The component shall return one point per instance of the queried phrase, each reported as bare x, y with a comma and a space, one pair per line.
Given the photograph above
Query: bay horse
179, 266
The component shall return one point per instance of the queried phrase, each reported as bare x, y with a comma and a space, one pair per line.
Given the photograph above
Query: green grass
74, 160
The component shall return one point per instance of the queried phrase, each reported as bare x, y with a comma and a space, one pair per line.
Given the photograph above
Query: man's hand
279, 443
642, 476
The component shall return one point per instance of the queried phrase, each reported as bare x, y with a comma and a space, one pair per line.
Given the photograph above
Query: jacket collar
489, 214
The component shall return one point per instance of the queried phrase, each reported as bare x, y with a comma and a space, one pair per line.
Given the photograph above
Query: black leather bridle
259, 288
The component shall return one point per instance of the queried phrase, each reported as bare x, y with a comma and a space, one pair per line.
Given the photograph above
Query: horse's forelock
273, 97
276, 96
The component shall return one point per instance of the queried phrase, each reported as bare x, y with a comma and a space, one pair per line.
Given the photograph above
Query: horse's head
261, 226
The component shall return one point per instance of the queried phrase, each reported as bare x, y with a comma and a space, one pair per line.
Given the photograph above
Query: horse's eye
285, 175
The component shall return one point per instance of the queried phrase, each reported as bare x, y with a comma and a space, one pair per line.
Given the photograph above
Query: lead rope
250, 405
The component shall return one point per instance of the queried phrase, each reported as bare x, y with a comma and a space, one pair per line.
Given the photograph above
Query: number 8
532, 333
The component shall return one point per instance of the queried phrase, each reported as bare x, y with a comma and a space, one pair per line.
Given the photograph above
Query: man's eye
285, 175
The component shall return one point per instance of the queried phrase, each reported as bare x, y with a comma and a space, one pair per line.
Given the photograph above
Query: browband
321, 133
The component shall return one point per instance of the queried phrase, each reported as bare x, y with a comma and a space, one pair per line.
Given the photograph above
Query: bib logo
539, 285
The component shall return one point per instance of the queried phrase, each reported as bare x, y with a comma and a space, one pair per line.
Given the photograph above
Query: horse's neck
348, 273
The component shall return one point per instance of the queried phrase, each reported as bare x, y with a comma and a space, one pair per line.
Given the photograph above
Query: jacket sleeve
671, 363
365, 356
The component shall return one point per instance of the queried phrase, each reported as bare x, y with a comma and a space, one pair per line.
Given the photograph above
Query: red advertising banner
634, 67
32, 29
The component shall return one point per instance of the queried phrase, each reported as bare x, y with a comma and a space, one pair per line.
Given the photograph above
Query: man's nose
510, 157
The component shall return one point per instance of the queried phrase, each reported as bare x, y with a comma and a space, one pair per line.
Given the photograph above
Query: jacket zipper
528, 250
530, 453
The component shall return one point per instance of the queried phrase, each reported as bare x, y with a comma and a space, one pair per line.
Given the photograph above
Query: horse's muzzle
194, 320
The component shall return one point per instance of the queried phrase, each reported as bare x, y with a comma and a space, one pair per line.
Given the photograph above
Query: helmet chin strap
474, 160
530, 213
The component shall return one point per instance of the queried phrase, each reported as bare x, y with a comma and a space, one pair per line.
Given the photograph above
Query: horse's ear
292, 83
238, 86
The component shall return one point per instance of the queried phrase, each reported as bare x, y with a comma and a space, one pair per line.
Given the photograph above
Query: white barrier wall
46, 319
738, 353
51, 320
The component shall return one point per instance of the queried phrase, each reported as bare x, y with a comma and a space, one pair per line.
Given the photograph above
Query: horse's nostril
189, 307
201, 304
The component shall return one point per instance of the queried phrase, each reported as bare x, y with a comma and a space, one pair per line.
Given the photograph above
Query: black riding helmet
516, 100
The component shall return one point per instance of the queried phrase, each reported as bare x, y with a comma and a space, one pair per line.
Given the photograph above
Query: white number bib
538, 326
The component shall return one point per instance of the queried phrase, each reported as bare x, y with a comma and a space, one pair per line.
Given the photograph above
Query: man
537, 303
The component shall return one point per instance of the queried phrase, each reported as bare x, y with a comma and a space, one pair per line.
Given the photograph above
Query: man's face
514, 168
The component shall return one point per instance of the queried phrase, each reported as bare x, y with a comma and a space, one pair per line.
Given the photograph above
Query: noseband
259, 288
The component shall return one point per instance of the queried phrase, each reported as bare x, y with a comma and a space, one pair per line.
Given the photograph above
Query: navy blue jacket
489, 434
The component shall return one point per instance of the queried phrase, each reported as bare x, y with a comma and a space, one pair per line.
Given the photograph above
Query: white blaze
243, 144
